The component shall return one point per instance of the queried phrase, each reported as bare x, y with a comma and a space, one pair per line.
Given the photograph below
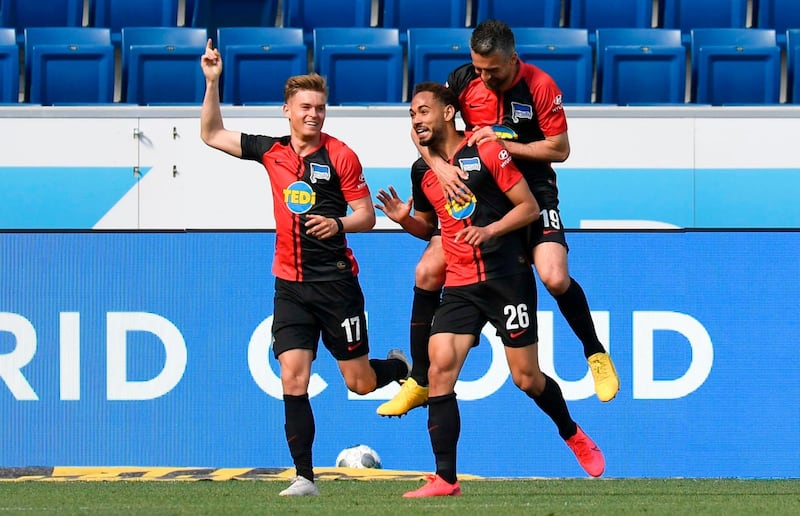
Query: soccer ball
358, 456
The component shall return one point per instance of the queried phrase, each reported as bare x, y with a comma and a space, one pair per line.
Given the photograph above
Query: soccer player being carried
488, 278
504, 98
314, 179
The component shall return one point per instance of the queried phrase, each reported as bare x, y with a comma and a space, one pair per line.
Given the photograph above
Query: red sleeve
497, 159
548, 99
348, 167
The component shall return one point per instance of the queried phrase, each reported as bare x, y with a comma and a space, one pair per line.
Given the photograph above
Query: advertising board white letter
118, 324
11, 364
70, 355
645, 324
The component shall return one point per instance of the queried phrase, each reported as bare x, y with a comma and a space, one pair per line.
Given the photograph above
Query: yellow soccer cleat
411, 396
606, 381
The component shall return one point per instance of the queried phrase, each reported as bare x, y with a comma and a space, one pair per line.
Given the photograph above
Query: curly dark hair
441, 93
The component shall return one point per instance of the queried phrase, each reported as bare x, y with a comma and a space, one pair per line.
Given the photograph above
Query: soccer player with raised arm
314, 179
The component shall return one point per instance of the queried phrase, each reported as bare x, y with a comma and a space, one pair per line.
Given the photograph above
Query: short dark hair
492, 36
441, 93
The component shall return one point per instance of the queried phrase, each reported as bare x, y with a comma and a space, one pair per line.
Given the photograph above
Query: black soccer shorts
508, 303
332, 309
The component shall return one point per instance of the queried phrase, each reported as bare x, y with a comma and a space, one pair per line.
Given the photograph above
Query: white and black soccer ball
358, 456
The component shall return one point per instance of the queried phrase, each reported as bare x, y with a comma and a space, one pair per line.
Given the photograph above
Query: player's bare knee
435, 372
362, 389
294, 383
530, 383
556, 282
429, 273
360, 385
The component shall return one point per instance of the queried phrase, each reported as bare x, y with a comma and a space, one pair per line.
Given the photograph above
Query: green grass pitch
384, 497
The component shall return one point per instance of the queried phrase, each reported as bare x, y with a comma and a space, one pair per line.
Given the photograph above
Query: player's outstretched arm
421, 224
553, 149
212, 129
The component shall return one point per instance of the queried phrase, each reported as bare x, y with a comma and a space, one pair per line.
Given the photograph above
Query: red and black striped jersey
491, 173
531, 107
321, 183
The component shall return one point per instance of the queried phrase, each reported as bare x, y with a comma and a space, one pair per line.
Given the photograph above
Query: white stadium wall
630, 167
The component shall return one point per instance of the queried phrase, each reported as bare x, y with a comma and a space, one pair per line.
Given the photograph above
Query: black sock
300, 431
444, 428
422, 310
388, 370
552, 403
575, 308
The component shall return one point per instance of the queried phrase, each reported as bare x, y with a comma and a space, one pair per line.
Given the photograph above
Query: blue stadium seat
115, 14
9, 66
640, 66
314, 14
780, 15
519, 13
161, 65
188, 11
609, 14
22, 14
793, 66
434, 53
69, 65
257, 61
415, 14
564, 53
362, 65
214, 14
735, 66
702, 14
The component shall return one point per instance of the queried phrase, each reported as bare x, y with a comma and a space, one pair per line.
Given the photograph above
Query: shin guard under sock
552, 403
299, 427
444, 428
575, 309
422, 310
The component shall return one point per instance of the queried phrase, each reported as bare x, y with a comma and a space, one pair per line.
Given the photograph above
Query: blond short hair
309, 82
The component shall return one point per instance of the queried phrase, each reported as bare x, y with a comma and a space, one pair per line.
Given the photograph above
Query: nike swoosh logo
515, 334
549, 231
353, 347
473, 106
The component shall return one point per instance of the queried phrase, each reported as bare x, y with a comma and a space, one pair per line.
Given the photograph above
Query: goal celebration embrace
487, 203
399, 256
